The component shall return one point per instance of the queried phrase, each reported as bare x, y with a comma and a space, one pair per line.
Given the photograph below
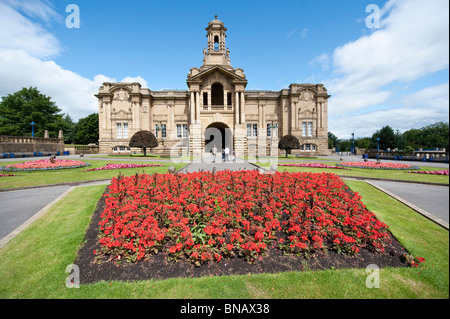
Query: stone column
295, 115
192, 107
197, 105
236, 108
242, 108
292, 124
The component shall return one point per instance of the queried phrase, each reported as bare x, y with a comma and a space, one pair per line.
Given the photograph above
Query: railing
29, 140
217, 108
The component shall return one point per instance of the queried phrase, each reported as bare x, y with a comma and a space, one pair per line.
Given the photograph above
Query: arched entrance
218, 134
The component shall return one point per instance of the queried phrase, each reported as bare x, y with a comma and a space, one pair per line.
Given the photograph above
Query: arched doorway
218, 134
217, 94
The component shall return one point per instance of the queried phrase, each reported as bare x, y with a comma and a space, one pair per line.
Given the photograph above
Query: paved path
429, 199
208, 165
18, 206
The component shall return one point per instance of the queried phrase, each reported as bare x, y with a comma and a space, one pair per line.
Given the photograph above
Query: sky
382, 62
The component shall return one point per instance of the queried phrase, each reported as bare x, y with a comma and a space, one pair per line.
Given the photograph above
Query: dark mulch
157, 267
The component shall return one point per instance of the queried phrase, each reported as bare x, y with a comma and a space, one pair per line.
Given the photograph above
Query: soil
157, 267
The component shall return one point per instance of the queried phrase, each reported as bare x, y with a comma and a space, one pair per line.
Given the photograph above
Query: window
162, 128
205, 98
270, 129
121, 130
252, 130
125, 130
308, 147
216, 43
228, 98
121, 149
163, 131
307, 128
217, 94
182, 130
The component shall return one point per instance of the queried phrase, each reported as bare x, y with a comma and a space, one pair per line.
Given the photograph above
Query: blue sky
394, 75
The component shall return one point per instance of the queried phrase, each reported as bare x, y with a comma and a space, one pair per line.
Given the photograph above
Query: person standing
214, 152
227, 154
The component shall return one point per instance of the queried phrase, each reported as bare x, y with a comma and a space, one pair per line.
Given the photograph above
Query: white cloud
25, 45
136, 79
322, 60
412, 43
303, 33
72, 93
422, 108
18, 32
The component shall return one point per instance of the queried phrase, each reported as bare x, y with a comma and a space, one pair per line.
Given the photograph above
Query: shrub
288, 143
144, 140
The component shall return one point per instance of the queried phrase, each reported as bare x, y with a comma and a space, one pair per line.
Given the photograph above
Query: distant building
216, 109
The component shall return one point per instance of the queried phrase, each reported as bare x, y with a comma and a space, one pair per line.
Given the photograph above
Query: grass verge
23, 179
33, 264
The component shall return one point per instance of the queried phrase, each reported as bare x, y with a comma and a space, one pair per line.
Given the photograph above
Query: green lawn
78, 174
32, 265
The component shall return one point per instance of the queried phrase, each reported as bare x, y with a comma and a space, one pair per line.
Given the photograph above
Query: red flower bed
377, 165
440, 172
121, 166
206, 217
314, 165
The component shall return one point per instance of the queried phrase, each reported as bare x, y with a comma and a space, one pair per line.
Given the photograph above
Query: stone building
215, 109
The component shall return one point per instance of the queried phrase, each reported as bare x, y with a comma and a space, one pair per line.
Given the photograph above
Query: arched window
217, 94
216, 43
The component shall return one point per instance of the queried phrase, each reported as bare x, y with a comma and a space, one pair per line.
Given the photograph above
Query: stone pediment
200, 75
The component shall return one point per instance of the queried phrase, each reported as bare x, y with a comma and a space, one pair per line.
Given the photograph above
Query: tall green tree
69, 129
332, 140
19, 109
86, 130
386, 136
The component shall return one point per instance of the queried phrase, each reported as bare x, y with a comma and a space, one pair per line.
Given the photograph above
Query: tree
86, 130
364, 142
69, 129
19, 109
387, 137
288, 143
144, 140
332, 140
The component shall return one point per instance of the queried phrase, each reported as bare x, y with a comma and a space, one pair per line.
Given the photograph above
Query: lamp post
378, 148
353, 143
32, 128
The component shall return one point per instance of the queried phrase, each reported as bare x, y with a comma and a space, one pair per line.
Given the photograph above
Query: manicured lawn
374, 173
33, 264
78, 174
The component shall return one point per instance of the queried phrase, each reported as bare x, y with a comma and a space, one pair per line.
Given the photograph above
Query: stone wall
24, 144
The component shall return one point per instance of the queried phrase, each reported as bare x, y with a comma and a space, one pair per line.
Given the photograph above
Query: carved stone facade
216, 109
